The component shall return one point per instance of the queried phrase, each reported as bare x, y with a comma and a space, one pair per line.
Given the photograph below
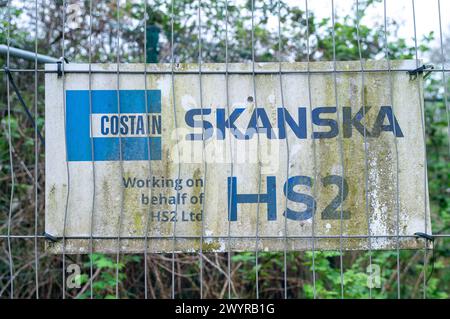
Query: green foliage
296, 30
356, 276
104, 286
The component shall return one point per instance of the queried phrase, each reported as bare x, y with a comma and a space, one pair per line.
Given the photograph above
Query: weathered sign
164, 161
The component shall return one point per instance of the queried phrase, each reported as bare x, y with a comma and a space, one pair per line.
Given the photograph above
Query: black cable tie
22, 102
420, 70
433, 258
50, 237
59, 71
60, 67
425, 236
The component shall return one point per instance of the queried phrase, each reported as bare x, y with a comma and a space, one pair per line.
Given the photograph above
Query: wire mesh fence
202, 32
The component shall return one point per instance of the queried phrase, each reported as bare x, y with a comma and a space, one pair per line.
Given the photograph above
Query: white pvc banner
154, 160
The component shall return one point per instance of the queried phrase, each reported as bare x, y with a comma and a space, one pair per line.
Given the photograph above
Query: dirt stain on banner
337, 185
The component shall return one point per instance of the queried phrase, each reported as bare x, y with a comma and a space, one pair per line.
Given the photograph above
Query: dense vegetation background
19, 23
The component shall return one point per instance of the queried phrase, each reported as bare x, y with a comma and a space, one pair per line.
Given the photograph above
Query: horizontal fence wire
180, 275
230, 72
224, 236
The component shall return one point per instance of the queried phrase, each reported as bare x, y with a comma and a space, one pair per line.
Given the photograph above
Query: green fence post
152, 34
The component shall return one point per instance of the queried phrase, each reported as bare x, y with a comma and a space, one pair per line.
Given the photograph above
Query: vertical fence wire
11, 160
205, 166
36, 154
422, 119
66, 206
366, 167
172, 62
314, 191
255, 104
36, 237
94, 193
444, 79
227, 92
285, 270
341, 151
122, 190
397, 187
149, 210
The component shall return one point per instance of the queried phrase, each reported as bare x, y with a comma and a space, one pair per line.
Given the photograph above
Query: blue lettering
222, 123
253, 126
379, 126
299, 198
270, 198
349, 121
334, 129
156, 124
298, 129
207, 126
105, 130
124, 125
114, 124
140, 125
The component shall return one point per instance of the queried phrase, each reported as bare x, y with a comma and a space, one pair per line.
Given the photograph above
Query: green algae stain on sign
152, 168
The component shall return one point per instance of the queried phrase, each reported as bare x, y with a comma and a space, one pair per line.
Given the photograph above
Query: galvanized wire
397, 190
36, 155
366, 167
122, 195
94, 193
280, 73
66, 206
422, 119
227, 92
205, 166
163, 237
287, 151
255, 103
147, 221
172, 63
314, 191
231, 72
444, 79
11, 161
341, 152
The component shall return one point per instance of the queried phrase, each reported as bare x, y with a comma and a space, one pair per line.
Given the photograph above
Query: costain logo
120, 121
